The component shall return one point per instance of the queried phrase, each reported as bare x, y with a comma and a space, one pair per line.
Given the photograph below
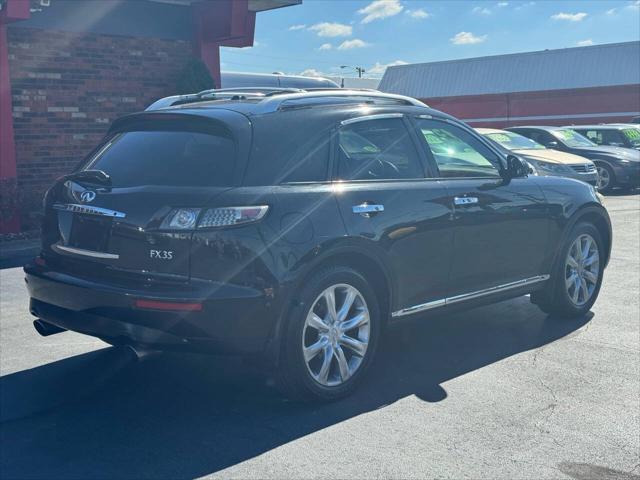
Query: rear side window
177, 158
377, 150
604, 137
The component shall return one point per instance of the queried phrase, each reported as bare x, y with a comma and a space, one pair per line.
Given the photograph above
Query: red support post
221, 23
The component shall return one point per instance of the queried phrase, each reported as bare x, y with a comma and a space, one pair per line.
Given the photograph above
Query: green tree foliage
194, 78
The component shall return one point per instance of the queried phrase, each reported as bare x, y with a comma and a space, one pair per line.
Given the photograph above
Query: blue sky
320, 35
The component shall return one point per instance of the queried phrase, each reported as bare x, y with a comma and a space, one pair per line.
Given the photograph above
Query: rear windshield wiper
94, 176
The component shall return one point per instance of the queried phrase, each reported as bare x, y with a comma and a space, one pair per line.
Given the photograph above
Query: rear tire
606, 178
577, 275
326, 351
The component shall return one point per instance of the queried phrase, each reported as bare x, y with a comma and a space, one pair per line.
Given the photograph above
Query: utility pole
360, 70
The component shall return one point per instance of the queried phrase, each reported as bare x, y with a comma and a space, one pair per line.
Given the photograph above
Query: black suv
298, 226
617, 166
611, 135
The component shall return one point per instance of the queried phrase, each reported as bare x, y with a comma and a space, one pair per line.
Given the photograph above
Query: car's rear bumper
232, 318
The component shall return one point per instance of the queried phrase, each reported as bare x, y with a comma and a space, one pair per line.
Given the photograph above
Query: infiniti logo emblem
88, 196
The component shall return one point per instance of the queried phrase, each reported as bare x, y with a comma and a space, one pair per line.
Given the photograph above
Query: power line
305, 60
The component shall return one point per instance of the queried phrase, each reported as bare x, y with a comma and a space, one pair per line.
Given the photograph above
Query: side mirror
552, 144
517, 168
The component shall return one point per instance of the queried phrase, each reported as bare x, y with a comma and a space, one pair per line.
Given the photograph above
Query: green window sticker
431, 137
565, 134
632, 133
499, 137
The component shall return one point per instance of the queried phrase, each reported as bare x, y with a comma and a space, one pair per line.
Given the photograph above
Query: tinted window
376, 150
604, 137
540, 136
310, 164
457, 152
178, 158
572, 138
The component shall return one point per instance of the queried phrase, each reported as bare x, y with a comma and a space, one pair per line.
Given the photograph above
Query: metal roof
579, 67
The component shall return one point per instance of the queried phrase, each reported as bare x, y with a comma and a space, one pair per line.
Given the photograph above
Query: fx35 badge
161, 254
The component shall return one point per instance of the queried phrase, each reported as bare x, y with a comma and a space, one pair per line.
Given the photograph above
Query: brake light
227, 216
187, 218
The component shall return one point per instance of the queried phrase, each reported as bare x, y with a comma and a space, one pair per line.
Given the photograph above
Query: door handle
367, 209
465, 200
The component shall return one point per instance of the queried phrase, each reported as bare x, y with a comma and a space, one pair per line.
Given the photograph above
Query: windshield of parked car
178, 158
571, 138
633, 135
514, 141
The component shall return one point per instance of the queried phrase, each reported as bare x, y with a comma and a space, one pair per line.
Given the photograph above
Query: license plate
90, 233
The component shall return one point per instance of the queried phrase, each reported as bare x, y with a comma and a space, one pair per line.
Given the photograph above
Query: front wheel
577, 276
331, 336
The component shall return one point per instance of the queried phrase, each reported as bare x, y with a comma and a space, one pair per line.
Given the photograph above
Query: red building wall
66, 90
551, 107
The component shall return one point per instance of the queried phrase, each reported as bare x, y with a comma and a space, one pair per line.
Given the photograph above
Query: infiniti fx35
298, 226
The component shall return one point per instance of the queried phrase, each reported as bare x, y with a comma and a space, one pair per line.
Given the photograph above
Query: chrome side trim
469, 296
379, 116
74, 207
86, 253
499, 288
420, 308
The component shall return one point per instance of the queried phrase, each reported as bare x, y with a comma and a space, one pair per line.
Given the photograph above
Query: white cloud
312, 72
467, 38
612, 11
481, 11
634, 5
502, 4
379, 68
350, 44
326, 29
523, 5
379, 9
325, 46
301, 26
585, 43
419, 13
571, 17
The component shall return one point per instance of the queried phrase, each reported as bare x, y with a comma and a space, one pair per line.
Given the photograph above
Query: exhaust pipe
45, 328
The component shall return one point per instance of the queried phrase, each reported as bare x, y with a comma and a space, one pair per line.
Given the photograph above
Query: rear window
177, 158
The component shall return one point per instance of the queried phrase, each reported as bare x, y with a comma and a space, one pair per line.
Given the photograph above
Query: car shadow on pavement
103, 414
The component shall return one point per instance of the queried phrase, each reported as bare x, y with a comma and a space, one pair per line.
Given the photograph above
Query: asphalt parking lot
498, 392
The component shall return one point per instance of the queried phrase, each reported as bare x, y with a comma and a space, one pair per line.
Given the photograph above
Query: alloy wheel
335, 336
582, 269
604, 179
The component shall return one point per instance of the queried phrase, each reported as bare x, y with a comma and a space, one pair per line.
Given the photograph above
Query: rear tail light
168, 306
182, 218
227, 216
187, 218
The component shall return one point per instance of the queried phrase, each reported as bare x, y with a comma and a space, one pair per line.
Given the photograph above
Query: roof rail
274, 99
275, 103
241, 93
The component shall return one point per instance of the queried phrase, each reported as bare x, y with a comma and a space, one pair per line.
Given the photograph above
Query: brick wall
67, 88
